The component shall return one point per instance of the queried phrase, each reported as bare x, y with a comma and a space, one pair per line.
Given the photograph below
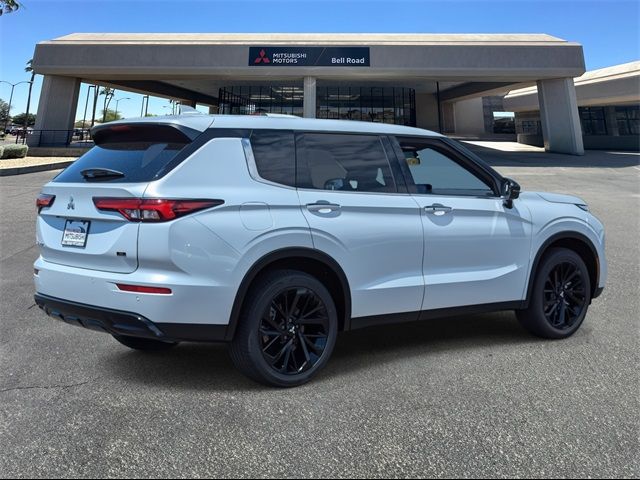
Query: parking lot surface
461, 397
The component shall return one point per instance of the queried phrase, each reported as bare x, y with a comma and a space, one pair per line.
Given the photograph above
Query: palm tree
29, 69
8, 6
108, 95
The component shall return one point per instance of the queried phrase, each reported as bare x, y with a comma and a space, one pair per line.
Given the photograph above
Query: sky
607, 29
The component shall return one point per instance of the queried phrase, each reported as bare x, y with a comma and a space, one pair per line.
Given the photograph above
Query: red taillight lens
142, 289
44, 200
152, 209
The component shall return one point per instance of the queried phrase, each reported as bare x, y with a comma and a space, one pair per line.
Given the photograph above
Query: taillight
142, 289
44, 200
152, 209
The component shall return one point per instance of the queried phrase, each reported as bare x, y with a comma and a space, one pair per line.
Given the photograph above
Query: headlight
583, 206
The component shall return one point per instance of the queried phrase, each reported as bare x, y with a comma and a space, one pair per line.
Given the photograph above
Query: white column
559, 116
309, 101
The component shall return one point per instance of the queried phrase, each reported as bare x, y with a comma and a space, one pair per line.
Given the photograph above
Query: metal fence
56, 138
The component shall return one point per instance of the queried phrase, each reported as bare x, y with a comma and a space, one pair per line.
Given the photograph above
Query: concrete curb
5, 172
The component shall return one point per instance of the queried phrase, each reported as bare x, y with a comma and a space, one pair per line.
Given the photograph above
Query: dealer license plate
75, 233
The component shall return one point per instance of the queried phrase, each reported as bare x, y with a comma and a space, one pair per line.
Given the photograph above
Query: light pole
86, 104
124, 98
145, 106
13, 85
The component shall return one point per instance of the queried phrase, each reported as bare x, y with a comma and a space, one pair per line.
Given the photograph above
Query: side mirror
510, 191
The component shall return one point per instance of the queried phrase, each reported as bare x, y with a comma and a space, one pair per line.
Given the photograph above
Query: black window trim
400, 184
489, 176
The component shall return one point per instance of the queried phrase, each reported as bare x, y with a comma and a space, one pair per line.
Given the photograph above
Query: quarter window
351, 163
274, 153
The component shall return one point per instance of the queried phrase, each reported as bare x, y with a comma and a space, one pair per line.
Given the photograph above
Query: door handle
321, 207
437, 209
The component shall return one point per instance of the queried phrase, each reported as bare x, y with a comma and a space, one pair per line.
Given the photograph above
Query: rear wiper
100, 173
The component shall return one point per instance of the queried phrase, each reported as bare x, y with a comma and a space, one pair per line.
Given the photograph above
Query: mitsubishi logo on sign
262, 57
304, 56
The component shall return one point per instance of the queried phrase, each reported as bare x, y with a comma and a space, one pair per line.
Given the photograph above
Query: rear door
71, 230
356, 204
476, 249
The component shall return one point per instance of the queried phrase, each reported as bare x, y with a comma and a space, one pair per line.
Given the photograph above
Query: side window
435, 172
275, 155
350, 163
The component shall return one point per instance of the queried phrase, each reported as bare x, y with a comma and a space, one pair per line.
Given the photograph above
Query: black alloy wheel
294, 330
287, 329
564, 295
560, 295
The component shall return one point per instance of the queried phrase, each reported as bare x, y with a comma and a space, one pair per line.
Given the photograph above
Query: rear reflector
142, 289
152, 209
44, 200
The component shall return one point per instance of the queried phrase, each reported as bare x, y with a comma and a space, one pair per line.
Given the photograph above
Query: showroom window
628, 119
369, 104
592, 120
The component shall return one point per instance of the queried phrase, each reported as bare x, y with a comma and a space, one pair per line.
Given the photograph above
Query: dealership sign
309, 56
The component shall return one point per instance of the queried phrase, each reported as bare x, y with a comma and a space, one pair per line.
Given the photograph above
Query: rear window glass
138, 161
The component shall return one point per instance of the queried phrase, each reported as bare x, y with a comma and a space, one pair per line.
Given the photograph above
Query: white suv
274, 234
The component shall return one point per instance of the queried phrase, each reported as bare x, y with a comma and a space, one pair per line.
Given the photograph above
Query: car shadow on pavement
358, 350
207, 367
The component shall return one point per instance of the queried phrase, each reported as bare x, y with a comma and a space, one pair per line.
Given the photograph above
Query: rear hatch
71, 230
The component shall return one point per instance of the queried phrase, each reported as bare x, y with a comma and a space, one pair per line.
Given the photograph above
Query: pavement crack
47, 387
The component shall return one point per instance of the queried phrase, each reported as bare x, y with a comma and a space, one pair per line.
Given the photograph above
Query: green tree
4, 112
22, 118
108, 96
110, 116
8, 6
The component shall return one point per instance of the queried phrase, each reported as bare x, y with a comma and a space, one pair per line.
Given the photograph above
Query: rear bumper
117, 322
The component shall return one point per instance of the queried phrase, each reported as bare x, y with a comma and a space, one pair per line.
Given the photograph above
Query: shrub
14, 151
1, 150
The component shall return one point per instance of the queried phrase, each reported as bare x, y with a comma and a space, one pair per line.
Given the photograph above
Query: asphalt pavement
474, 396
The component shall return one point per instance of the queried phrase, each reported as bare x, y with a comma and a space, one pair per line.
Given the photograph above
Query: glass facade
251, 100
369, 104
628, 119
373, 104
592, 120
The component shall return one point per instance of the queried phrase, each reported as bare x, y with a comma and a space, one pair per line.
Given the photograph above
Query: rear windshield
137, 161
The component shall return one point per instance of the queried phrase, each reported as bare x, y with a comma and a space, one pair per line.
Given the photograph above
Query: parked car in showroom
274, 234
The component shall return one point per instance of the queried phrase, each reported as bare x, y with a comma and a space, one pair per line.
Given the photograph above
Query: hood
561, 198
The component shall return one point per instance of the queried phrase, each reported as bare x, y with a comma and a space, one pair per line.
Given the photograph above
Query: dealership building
429, 81
608, 107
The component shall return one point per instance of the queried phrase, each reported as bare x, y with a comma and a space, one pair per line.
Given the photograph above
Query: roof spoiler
162, 132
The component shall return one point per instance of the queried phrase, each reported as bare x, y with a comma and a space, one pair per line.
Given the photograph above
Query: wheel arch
308, 260
577, 242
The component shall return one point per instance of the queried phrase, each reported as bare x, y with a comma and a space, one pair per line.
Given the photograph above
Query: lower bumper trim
117, 322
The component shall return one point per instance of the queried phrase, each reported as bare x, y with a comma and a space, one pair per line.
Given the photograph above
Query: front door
476, 249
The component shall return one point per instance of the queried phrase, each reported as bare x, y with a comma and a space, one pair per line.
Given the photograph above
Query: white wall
469, 117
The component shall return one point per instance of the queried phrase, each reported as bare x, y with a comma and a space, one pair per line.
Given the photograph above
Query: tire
144, 344
560, 296
287, 329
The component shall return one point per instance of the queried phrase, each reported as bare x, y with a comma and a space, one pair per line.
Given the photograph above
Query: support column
56, 110
309, 101
559, 116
